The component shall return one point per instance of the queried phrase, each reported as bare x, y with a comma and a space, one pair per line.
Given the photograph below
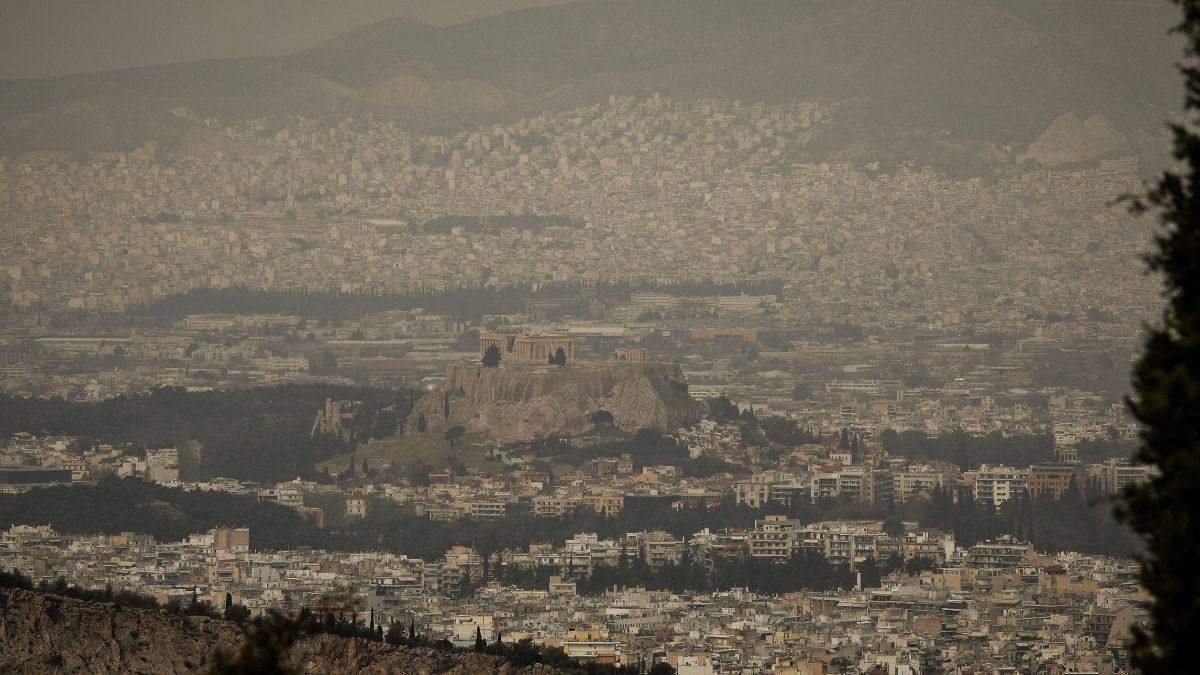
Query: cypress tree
1165, 510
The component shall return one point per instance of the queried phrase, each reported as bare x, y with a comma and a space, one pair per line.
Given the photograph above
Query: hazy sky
57, 37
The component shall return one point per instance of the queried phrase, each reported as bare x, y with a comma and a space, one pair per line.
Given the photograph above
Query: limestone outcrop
519, 404
42, 633
1069, 140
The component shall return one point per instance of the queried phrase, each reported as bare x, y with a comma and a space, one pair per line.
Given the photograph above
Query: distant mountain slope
1000, 69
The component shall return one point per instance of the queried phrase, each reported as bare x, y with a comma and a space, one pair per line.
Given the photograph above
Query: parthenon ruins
528, 348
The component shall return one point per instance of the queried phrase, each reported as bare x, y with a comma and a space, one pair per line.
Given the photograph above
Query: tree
264, 650
560, 357
1166, 398
237, 613
721, 408
480, 644
422, 423
326, 363
602, 417
662, 668
491, 357
890, 440
872, 576
893, 526
453, 434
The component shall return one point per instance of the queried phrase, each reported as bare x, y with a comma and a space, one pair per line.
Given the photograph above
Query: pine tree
491, 357
480, 645
395, 633
1165, 510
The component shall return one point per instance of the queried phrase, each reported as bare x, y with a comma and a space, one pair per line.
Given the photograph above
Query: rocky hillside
1070, 140
48, 634
518, 405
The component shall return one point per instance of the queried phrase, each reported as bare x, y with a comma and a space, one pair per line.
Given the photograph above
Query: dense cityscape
649, 382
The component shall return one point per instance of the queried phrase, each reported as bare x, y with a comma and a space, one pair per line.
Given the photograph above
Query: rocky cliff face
48, 634
511, 405
1069, 140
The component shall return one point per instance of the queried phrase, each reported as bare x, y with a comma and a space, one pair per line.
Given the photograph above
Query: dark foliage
969, 451
467, 301
1094, 452
491, 357
801, 572
59, 587
646, 447
786, 432
721, 408
131, 505
15, 579
1165, 511
251, 434
1080, 520
264, 651
171, 514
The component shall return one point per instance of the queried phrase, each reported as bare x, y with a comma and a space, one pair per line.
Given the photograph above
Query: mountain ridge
936, 65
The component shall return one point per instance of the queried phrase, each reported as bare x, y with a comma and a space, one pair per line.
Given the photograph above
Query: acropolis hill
530, 398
